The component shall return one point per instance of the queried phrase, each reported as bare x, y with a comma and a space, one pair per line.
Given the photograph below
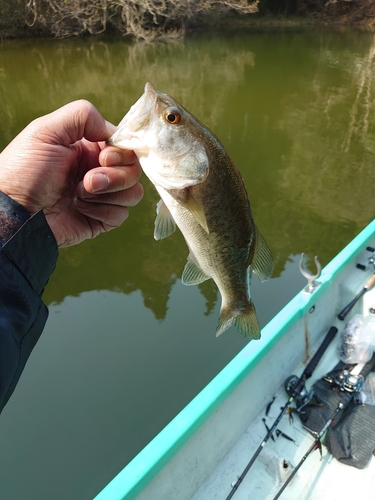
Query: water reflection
333, 139
297, 119
112, 74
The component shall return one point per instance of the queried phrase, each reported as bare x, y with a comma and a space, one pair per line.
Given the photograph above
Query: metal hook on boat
312, 284
371, 259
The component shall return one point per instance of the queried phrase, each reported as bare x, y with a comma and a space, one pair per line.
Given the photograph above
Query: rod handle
370, 282
343, 314
308, 371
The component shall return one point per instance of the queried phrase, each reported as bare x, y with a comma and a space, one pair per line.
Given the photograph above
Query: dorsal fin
261, 261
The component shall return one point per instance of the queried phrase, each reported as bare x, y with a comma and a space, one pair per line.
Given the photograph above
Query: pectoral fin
164, 222
197, 211
261, 261
184, 197
193, 274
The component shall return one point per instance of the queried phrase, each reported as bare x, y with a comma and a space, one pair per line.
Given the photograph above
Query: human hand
60, 163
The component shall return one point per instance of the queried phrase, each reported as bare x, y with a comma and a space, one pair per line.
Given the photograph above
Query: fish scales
218, 251
203, 193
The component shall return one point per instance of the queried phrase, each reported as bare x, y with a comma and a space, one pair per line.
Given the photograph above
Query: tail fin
246, 322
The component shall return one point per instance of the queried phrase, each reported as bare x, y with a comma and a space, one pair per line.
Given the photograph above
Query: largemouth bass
203, 193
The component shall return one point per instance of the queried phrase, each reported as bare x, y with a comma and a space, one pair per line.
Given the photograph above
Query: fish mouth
149, 90
139, 114
136, 118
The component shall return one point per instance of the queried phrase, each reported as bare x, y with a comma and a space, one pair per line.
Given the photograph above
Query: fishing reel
346, 381
371, 259
301, 395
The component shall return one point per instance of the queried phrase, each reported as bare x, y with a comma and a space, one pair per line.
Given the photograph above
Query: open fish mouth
139, 114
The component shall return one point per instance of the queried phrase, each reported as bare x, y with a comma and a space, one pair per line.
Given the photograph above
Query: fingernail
99, 182
113, 158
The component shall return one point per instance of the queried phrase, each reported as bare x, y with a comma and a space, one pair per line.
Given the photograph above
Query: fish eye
172, 116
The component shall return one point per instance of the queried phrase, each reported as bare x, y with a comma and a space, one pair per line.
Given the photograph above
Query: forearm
28, 255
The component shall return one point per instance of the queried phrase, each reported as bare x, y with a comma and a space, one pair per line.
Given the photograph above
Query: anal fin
193, 274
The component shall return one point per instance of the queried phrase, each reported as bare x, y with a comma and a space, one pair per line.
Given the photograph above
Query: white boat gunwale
131, 480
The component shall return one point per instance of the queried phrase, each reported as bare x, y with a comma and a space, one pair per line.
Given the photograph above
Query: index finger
119, 170
111, 156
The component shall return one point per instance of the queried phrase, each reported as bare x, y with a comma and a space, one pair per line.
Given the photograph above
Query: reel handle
308, 371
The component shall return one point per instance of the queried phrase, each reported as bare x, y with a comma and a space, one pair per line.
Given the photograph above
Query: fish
202, 193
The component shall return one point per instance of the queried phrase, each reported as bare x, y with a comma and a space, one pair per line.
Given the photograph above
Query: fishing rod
295, 388
350, 383
369, 284
316, 445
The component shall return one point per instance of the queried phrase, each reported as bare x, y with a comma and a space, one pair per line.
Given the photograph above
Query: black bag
351, 439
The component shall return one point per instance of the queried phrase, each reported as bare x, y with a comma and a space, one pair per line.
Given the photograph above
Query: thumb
77, 120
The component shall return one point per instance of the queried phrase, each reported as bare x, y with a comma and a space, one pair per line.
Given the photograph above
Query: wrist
12, 217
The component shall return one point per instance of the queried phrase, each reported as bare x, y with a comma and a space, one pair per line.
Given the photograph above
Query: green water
126, 345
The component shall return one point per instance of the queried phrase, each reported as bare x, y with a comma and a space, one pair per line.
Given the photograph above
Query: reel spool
348, 382
303, 397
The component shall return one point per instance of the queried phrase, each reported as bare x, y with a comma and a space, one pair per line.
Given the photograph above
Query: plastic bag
358, 340
368, 390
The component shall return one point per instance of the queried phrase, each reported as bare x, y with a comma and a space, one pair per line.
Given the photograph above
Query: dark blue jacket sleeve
27, 259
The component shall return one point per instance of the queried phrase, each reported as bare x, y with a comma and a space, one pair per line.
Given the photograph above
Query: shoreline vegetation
151, 19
